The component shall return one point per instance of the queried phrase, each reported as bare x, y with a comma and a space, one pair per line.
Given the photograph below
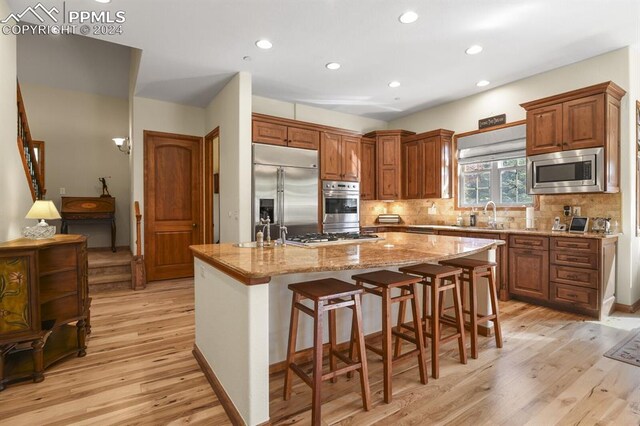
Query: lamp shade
119, 141
43, 209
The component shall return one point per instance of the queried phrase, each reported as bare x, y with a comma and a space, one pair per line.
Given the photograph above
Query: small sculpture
105, 189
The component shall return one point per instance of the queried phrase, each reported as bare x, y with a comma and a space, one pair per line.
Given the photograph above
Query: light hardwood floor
139, 370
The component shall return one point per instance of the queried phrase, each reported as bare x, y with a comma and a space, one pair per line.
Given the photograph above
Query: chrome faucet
266, 222
283, 234
493, 224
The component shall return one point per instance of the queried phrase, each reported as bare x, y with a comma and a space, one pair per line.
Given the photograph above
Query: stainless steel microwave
580, 170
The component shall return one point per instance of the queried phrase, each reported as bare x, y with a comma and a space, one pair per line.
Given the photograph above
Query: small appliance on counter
388, 218
579, 225
601, 224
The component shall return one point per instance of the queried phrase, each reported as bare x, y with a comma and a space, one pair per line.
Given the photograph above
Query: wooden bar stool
472, 270
439, 279
384, 282
327, 295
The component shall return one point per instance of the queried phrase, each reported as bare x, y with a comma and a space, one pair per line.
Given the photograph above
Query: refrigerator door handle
281, 196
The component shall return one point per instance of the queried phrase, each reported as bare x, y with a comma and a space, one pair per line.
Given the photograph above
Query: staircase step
112, 286
110, 270
112, 278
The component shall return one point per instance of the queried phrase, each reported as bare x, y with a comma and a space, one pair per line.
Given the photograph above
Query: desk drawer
576, 259
575, 244
573, 295
574, 276
529, 242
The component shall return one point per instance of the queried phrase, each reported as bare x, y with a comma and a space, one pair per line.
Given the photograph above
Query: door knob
195, 225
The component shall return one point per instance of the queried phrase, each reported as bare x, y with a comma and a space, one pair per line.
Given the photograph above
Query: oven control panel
330, 185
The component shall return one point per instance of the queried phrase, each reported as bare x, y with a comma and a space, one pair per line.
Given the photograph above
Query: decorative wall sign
496, 120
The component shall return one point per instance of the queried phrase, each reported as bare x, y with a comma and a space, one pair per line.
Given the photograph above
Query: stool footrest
304, 376
304, 309
404, 336
411, 353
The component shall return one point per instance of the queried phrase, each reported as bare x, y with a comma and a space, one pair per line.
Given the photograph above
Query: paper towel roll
530, 221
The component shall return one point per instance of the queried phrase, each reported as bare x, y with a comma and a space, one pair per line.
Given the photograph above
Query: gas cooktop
315, 239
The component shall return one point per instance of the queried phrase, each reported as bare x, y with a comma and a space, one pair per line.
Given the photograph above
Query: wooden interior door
173, 214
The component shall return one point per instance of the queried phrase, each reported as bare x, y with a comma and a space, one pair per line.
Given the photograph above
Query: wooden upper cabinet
583, 122
431, 165
283, 135
575, 120
389, 177
303, 138
330, 167
368, 169
273, 134
411, 165
426, 165
544, 130
339, 157
350, 158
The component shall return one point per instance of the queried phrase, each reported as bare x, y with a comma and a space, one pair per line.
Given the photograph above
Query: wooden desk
88, 210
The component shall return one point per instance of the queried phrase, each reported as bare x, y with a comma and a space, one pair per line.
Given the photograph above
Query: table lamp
41, 209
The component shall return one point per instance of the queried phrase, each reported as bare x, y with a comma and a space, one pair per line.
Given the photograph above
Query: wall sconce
123, 144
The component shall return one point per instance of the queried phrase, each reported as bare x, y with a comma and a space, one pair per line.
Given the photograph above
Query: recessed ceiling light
474, 50
333, 66
103, 1
482, 83
408, 17
394, 84
264, 44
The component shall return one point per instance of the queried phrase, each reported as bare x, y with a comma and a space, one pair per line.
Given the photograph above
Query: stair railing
27, 152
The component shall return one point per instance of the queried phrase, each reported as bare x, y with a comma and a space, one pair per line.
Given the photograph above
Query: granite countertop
258, 265
479, 229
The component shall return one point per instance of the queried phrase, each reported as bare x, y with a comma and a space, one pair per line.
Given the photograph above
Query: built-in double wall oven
340, 206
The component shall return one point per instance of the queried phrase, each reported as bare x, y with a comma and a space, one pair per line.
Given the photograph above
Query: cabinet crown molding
608, 87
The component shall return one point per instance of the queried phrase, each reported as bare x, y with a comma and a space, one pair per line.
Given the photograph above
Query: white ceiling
191, 48
74, 63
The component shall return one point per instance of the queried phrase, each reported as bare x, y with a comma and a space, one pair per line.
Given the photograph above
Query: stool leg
495, 308
402, 308
333, 362
387, 356
316, 398
435, 328
457, 302
364, 370
422, 359
425, 304
291, 348
473, 302
353, 349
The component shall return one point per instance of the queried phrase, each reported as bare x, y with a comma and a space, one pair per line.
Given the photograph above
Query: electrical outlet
63, 191
576, 211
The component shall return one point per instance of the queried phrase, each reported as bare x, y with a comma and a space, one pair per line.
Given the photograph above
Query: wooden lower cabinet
529, 273
44, 303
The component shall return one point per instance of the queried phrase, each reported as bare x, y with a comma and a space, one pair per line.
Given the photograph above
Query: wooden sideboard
88, 210
44, 305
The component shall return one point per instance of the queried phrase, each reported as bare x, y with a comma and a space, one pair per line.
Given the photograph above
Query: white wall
77, 128
159, 116
14, 189
463, 115
230, 110
311, 114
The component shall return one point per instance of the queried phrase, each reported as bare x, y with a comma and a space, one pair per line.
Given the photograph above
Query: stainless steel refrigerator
285, 188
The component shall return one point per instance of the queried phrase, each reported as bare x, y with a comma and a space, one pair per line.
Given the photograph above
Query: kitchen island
242, 304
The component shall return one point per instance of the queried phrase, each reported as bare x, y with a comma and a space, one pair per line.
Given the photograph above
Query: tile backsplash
416, 212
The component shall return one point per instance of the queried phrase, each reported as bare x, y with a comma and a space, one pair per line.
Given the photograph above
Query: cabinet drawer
484, 235
573, 295
574, 276
62, 309
529, 242
579, 259
575, 244
452, 233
